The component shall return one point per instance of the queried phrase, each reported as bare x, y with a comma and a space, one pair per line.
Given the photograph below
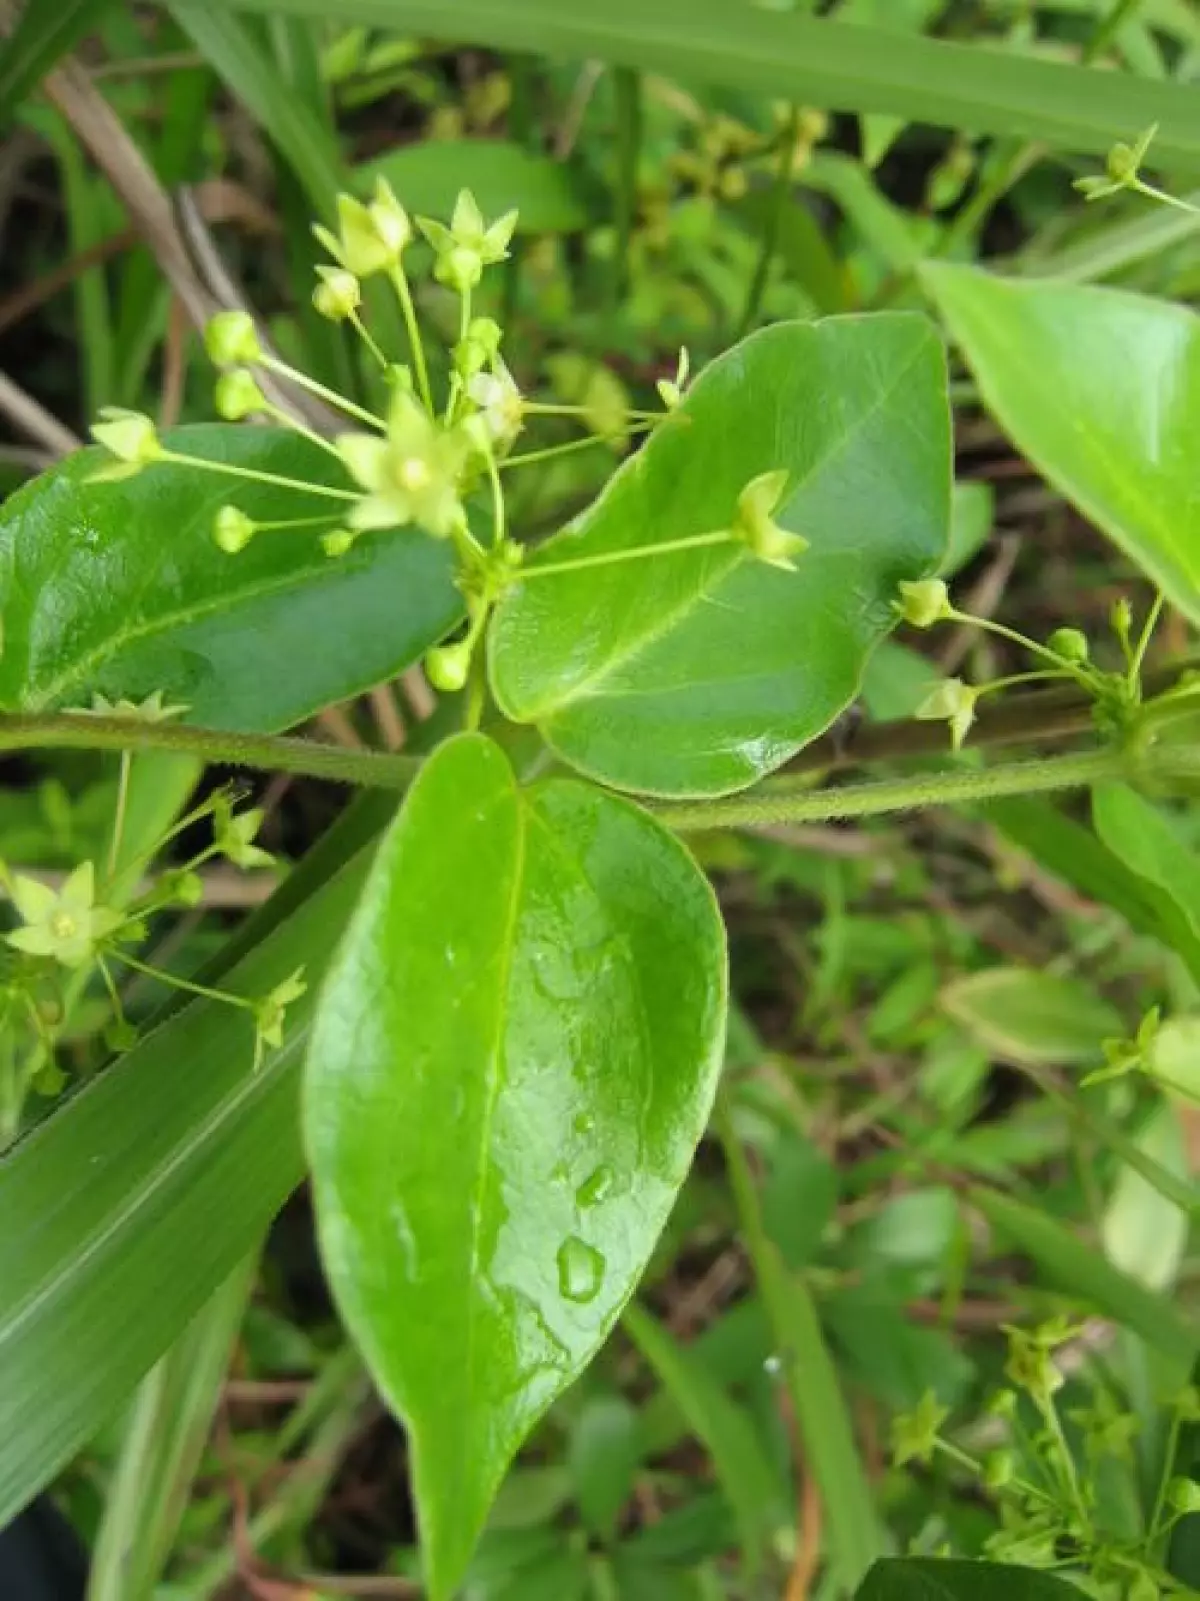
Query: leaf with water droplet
496, 1146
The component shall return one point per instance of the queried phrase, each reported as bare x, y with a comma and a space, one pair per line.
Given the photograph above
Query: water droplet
595, 1187
580, 1270
774, 1364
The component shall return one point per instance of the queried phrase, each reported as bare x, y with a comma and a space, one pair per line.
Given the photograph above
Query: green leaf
186, 1154
934, 1579
501, 175
723, 1428
43, 34
972, 510
120, 588
696, 671
515, 1058
1143, 1233
605, 1453
1100, 388
1032, 1018
815, 62
1098, 867
1143, 837
1075, 1269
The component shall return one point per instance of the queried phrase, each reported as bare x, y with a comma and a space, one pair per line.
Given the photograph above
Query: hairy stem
70, 731
760, 808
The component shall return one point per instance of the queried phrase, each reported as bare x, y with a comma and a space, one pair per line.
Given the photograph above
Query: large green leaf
1144, 838
500, 174
513, 1061
1100, 388
695, 672
119, 587
935, 1579
773, 52
135, 1200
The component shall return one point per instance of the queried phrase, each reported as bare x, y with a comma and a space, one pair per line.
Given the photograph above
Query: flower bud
999, 1469
180, 887
486, 332
233, 530
1184, 1495
130, 435
338, 295
237, 395
925, 603
231, 337
389, 217
1069, 643
120, 1035
447, 666
337, 541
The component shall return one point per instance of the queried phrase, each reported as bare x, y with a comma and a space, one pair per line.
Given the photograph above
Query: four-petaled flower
469, 244
66, 923
413, 474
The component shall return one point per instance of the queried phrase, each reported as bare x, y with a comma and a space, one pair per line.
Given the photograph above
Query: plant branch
73, 731
761, 807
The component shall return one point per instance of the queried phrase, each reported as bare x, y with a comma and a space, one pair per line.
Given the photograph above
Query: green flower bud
237, 395
391, 221
999, 1469
460, 269
120, 1035
1184, 1495
181, 888
448, 666
486, 332
1069, 643
337, 541
924, 603
338, 295
231, 337
130, 435
233, 530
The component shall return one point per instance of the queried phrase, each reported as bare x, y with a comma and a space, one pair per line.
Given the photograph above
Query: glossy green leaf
1074, 1268
722, 1427
139, 1197
514, 1060
501, 175
120, 588
696, 671
1026, 1016
776, 53
936, 1579
1101, 390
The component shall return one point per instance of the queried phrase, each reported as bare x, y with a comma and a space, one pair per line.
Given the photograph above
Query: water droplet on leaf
595, 1187
580, 1270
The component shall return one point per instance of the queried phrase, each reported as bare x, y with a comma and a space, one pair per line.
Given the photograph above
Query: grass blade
42, 36
820, 63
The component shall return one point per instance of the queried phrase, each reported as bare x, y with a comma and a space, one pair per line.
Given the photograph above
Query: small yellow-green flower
670, 390
231, 339
952, 702
924, 603
269, 1013
754, 522
501, 408
469, 244
338, 295
370, 238
412, 474
66, 923
234, 834
915, 1434
131, 437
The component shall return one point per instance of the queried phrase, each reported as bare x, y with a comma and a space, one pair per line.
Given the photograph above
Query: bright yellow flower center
63, 926
413, 474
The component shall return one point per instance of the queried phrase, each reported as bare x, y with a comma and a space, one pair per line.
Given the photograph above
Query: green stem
276, 480
569, 449
404, 294
541, 408
368, 339
322, 392
122, 806
628, 89
770, 240
813, 1385
286, 420
70, 731
173, 981
638, 553
758, 810
1152, 192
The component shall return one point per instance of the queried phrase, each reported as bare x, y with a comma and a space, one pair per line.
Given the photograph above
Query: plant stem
70, 731
637, 553
628, 89
788, 149
760, 809
173, 981
276, 480
812, 1380
322, 392
569, 449
119, 810
404, 294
